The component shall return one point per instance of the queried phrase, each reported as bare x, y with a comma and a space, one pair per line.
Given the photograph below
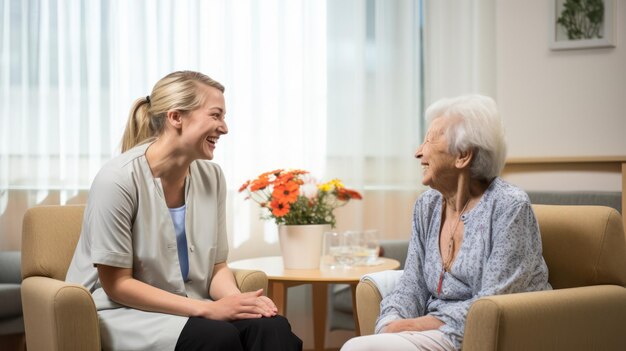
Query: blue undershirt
178, 218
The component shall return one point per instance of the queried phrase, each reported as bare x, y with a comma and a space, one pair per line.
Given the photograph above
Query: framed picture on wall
581, 24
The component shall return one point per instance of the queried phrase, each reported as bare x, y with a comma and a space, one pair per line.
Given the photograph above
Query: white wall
559, 103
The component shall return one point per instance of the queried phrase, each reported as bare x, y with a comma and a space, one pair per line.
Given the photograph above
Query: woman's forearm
223, 282
414, 324
122, 288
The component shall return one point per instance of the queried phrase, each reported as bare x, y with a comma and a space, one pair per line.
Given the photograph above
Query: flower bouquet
293, 197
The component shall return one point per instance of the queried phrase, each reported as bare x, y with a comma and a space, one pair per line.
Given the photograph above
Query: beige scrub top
127, 224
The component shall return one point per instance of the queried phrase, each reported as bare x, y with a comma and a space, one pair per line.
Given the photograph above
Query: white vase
301, 245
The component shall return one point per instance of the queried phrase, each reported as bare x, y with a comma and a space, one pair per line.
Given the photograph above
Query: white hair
476, 126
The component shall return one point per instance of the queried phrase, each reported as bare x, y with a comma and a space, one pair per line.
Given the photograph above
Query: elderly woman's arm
514, 264
408, 300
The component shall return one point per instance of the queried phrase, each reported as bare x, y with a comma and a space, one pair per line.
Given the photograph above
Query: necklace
447, 263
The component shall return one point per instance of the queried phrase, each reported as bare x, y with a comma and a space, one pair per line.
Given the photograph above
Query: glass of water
367, 247
338, 250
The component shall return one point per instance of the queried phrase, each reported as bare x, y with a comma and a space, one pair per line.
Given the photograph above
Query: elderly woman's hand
415, 324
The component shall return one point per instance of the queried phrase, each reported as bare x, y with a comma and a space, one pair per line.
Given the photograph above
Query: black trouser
200, 334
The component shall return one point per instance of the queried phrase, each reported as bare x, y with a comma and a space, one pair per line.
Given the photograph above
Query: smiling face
437, 162
202, 127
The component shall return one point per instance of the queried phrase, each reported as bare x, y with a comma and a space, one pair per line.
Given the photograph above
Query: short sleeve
109, 222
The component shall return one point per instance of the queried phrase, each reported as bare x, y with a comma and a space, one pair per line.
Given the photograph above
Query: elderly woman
473, 233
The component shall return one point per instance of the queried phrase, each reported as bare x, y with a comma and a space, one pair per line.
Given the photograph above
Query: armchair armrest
250, 280
367, 305
583, 318
369, 293
59, 316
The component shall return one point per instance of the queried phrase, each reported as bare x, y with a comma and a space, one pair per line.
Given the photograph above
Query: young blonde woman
153, 246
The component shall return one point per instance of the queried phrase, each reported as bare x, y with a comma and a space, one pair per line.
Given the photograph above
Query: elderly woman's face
437, 162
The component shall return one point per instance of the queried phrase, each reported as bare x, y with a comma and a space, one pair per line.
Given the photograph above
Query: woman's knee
268, 334
205, 334
355, 344
274, 324
226, 338
375, 342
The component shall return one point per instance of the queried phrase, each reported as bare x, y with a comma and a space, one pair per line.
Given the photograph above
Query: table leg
320, 304
277, 292
355, 315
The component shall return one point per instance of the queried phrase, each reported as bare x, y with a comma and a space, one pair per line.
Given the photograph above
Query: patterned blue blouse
500, 254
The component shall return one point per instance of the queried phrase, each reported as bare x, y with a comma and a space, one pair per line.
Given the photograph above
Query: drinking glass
338, 250
367, 247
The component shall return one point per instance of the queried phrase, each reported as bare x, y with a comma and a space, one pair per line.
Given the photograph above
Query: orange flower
347, 194
275, 173
298, 172
279, 209
244, 186
355, 194
260, 183
286, 192
283, 178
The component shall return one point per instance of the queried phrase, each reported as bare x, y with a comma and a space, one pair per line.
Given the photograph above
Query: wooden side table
279, 279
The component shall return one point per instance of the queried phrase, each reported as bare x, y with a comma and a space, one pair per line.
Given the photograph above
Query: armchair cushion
10, 267
384, 281
582, 245
11, 321
10, 279
49, 238
10, 301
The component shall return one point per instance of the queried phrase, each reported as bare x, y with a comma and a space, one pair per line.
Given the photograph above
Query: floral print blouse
500, 254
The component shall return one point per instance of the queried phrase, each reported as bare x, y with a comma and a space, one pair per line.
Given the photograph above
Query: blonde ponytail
177, 91
138, 125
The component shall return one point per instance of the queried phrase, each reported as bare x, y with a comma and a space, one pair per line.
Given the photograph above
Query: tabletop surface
273, 267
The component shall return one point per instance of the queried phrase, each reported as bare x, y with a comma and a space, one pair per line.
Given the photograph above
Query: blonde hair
177, 91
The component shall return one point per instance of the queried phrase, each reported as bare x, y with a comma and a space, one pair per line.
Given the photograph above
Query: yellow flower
337, 183
325, 186
331, 185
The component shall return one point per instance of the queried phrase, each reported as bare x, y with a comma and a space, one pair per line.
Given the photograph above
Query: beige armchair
59, 315
585, 250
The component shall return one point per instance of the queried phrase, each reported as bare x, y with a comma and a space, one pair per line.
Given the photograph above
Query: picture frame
567, 32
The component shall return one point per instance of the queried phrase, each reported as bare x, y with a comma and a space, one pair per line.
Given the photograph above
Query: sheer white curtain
387, 61
460, 48
70, 70
374, 109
